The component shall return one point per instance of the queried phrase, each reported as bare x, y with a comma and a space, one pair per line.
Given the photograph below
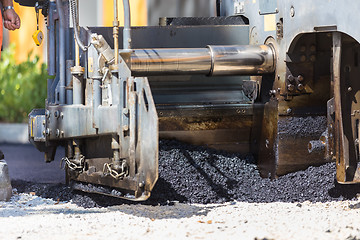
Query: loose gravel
192, 174
28, 216
239, 204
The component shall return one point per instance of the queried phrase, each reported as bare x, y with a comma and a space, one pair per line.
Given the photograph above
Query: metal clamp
73, 166
108, 170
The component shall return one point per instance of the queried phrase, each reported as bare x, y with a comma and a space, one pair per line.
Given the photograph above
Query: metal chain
71, 165
107, 170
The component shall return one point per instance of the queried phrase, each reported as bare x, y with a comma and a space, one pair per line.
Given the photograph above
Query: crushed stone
193, 174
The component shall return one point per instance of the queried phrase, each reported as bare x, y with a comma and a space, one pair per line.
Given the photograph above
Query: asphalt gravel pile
192, 174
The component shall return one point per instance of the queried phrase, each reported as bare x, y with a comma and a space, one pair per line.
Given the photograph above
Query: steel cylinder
242, 60
177, 61
213, 60
77, 79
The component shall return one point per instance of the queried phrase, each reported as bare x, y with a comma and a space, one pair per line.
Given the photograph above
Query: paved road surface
27, 163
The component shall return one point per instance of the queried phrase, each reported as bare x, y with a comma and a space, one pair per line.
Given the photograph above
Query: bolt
291, 87
125, 127
272, 92
47, 114
57, 114
312, 48
57, 133
303, 58
141, 184
47, 132
302, 48
349, 89
291, 78
312, 58
300, 78
292, 11
300, 87
288, 111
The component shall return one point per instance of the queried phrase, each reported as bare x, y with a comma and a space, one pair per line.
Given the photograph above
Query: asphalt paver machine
276, 78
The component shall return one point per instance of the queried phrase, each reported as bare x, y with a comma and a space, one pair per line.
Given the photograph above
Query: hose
127, 25
74, 10
62, 63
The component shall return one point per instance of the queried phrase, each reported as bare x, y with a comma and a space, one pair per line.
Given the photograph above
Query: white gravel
28, 216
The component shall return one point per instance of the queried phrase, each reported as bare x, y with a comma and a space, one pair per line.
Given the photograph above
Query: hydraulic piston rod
212, 61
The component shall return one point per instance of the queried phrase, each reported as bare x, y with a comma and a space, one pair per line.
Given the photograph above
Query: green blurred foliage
22, 86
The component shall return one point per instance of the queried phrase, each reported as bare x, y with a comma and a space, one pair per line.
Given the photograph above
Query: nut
300, 78
291, 87
300, 87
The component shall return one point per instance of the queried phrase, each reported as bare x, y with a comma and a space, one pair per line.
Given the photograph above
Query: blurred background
100, 13
23, 64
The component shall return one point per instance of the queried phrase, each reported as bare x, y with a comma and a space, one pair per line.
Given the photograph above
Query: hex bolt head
272, 92
300, 78
302, 58
313, 58
292, 11
47, 114
291, 87
291, 78
300, 87
57, 114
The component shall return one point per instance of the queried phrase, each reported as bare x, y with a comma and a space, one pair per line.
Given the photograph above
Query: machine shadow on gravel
344, 190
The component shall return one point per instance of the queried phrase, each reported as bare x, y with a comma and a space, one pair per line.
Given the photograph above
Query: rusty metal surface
346, 108
227, 127
141, 155
265, 138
